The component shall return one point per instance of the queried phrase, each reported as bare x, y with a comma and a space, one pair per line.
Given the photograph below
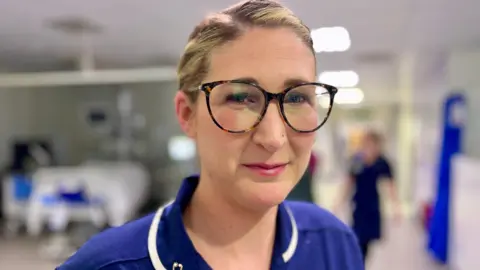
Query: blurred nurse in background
367, 168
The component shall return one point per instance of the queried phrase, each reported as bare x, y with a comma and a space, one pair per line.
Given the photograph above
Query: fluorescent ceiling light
345, 78
349, 96
345, 96
331, 39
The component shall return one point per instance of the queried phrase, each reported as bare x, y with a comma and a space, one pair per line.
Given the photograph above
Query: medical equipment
16, 191
27, 154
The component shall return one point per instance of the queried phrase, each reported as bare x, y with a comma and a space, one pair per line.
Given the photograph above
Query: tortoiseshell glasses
238, 106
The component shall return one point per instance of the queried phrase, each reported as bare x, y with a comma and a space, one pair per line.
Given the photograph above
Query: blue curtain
453, 123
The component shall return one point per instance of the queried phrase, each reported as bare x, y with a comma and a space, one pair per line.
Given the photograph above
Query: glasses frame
207, 88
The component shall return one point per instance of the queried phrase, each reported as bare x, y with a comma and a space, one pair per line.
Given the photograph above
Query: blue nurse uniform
307, 237
365, 200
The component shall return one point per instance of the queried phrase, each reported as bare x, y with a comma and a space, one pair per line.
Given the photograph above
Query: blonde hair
228, 25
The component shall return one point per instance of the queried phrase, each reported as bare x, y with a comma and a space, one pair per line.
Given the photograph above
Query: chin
267, 195
263, 192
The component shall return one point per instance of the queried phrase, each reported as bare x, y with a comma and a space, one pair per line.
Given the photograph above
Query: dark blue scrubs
307, 237
366, 201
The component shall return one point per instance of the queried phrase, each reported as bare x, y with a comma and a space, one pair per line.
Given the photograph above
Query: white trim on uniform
152, 239
292, 246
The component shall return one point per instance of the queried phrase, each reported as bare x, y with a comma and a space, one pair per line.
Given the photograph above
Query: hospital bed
115, 190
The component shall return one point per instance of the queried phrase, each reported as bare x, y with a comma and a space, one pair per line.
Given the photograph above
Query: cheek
207, 131
217, 148
302, 145
303, 119
231, 120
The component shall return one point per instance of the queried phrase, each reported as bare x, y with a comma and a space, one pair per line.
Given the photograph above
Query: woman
367, 168
253, 146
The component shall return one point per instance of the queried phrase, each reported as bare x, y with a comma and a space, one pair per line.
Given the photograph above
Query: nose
271, 132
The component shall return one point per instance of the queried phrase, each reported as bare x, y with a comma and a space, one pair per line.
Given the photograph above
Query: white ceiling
138, 30
146, 32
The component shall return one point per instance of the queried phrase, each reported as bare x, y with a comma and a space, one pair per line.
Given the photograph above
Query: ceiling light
345, 78
331, 39
345, 96
349, 96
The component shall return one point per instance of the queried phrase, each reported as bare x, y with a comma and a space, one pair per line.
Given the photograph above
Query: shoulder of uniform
115, 245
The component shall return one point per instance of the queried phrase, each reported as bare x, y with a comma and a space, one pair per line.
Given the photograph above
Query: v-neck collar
170, 247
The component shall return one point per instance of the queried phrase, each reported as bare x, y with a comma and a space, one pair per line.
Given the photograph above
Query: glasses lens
236, 106
306, 107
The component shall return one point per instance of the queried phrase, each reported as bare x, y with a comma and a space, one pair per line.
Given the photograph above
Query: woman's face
235, 163
370, 149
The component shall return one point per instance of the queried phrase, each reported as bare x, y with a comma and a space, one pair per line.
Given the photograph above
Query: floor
403, 249
22, 254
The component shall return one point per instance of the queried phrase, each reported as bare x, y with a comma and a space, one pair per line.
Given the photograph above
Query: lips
265, 169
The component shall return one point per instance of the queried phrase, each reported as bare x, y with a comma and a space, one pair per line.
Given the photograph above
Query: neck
214, 222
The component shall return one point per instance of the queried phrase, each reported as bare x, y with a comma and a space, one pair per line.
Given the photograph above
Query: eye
245, 98
237, 97
296, 98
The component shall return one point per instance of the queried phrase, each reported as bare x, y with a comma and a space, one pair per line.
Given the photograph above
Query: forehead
271, 56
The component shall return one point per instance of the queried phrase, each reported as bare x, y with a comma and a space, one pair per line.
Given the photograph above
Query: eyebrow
287, 83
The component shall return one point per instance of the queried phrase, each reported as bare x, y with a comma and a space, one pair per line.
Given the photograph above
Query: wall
463, 68
48, 112
155, 102
464, 236
56, 112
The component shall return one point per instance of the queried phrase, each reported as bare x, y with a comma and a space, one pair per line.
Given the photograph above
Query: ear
185, 111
